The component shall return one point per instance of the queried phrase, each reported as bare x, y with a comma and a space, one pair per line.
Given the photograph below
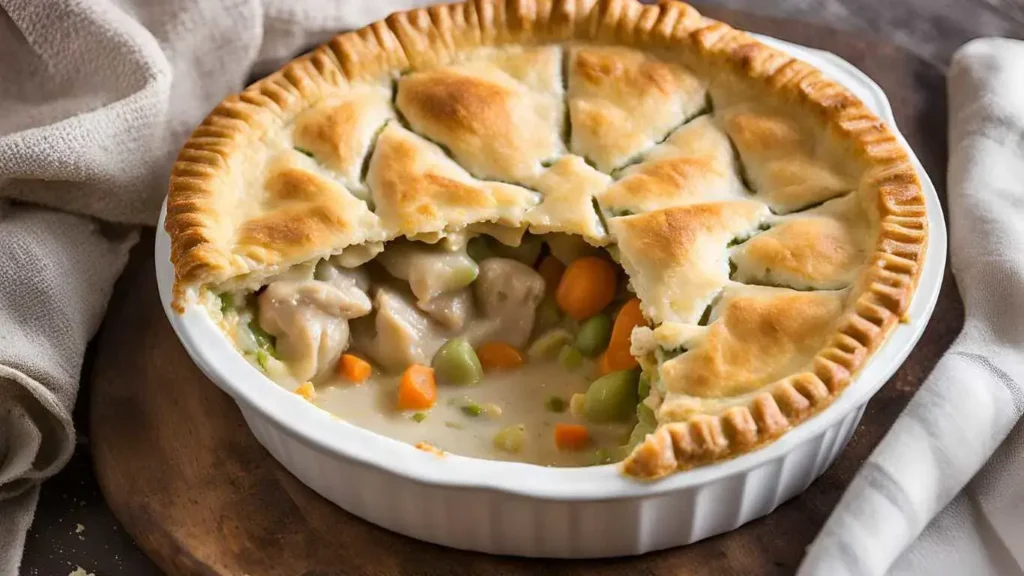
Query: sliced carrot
354, 369
551, 269
417, 390
618, 356
499, 356
571, 436
587, 286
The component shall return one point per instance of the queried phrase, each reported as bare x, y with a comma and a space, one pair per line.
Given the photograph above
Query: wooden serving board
181, 471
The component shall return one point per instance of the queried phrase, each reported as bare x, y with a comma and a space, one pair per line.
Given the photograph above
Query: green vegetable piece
645, 415
454, 425
570, 358
556, 404
643, 387
263, 338
457, 363
612, 397
640, 431
569, 247
548, 344
419, 416
528, 250
511, 439
594, 334
480, 248
608, 455
227, 302
547, 316
262, 358
472, 409
305, 152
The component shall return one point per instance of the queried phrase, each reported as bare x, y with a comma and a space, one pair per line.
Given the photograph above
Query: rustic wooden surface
202, 497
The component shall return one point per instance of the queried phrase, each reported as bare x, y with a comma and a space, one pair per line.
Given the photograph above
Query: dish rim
220, 362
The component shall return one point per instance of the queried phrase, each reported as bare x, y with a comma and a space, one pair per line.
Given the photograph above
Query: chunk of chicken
451, 309
309, 318
430, 270
336, 275
507, 292
400, 334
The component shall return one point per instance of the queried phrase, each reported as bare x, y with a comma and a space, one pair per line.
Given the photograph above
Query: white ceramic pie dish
528, 510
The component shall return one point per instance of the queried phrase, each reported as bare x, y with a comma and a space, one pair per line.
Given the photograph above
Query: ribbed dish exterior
502, 523
506, 508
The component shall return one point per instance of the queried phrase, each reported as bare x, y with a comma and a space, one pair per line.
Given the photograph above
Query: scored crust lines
780, 201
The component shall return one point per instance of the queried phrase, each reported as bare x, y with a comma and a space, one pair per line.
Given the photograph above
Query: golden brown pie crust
218, 233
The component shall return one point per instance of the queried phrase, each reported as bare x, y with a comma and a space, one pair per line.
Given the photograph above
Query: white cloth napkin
943, 494
96, 97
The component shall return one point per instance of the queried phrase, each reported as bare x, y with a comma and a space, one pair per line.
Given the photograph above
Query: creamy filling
525, 360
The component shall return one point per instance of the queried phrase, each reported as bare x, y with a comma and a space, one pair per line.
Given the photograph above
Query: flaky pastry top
771, 225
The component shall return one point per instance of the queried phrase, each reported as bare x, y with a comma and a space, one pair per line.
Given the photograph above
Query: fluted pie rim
886, 286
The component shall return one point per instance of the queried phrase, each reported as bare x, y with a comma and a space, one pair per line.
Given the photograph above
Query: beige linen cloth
96, 97
943, 494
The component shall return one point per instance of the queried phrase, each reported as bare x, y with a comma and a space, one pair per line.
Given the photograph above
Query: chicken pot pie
693, 240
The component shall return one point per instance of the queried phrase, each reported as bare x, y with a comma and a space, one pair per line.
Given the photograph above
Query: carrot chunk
551, 270
617, 356
587, 287
499, 356
354, 369
571, 436
417, 390
307, 391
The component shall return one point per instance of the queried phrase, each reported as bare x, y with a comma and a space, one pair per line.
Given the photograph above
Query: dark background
73, 526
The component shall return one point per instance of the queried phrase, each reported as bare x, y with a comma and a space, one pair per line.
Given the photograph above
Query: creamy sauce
520, 394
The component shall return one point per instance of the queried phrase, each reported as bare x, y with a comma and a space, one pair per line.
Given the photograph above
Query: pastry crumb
79, 528
428, 447
79, 571
307, 391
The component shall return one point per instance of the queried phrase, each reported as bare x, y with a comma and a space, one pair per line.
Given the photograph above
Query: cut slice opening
484, 301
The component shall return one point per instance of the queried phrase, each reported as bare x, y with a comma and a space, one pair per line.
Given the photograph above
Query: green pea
510, 439
556, 404
608, 455
456, 363
528, 250
612, 397
472, 409
547, 316
643, 387
570, 358
569, 247
549, 344
480, 248
594, 334
419, 417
